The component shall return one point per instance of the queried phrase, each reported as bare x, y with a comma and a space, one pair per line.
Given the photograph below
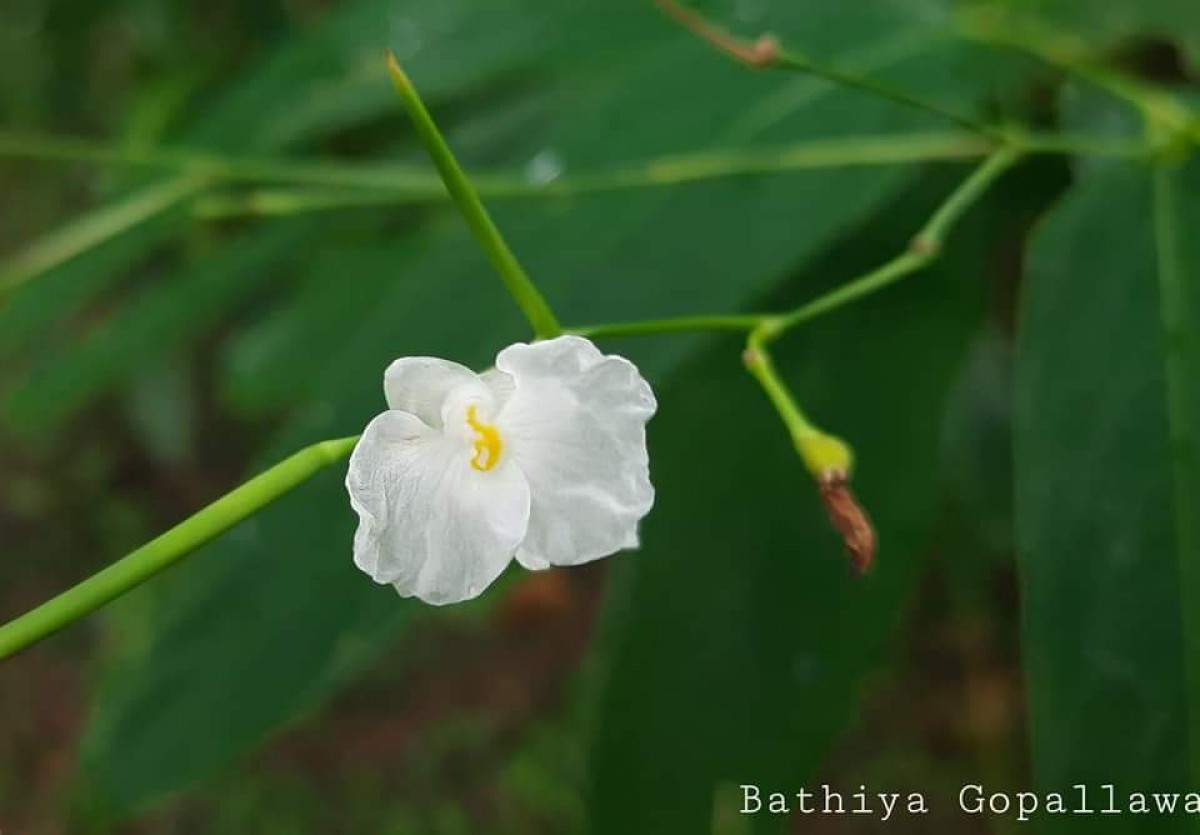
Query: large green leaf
1105, 21
225, 275
159, 319
1108, 390
316, 84
878, 39
736, 638
37, 309
275, 616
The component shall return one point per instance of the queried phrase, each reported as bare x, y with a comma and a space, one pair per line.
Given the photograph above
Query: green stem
823, 454
663, 171
94, 228
924, 248
681, 324
541, 318
762, 367
219, 167
284, 202
903, 265
1178, 339
799, 63
999, 28
674, 170
766, 53
934, 232
166, 550
336, 184
1081, 145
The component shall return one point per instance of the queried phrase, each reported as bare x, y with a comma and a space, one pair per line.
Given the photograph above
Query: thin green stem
169, 548
284, 202
762, 367
220, 167
1081, 145
828, 459
824, 455
333, 183
766, 53
799, 63
998, 27
934, 232
1181, 375
682, 324
676, 169
35, 146
541, 318
924, 248
901, 266
94, 228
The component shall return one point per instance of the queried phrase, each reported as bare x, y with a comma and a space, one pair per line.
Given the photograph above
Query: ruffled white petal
421, 386
428, 523
575, 424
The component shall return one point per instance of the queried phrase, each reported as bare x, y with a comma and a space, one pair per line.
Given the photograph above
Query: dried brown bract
850, 520
760, 53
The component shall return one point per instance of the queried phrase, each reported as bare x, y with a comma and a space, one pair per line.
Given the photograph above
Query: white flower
543, 459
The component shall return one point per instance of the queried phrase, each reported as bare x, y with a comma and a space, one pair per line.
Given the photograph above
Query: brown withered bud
850, 520
760, 53
764, 52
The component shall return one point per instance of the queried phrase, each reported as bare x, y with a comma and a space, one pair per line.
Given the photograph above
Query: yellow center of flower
487, 445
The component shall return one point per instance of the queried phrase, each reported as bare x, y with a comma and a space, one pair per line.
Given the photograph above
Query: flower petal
420, 385
429, 523
576, 425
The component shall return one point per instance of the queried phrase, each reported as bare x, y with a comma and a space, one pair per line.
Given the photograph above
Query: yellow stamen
488, 446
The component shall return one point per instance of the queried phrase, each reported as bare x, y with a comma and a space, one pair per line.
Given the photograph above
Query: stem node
524, 292
765, 52
925, 247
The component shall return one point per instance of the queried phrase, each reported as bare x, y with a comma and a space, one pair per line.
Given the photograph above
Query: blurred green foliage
1106, 456
733, 646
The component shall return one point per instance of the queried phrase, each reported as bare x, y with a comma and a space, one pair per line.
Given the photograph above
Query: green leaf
270, 364
1106, 488
248, 654
977, 446
736, 638
1104, 21
317, 83
38, 309
332, 77
165, 316
94, 229
275, 617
